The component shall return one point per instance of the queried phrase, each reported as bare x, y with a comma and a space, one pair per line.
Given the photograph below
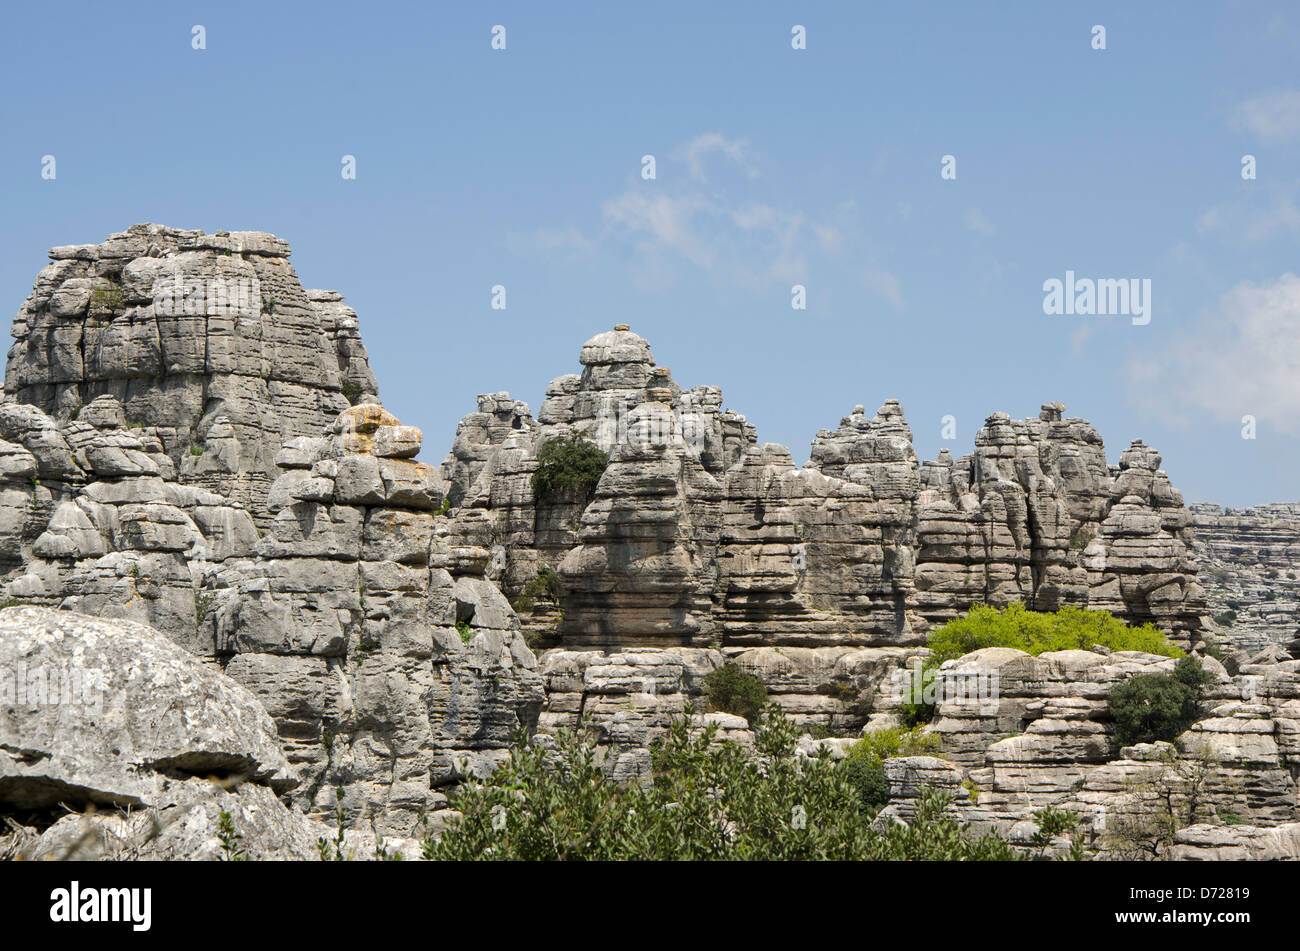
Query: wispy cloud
885, 284
1262, 216
1244, 358
1273, 116
737, 151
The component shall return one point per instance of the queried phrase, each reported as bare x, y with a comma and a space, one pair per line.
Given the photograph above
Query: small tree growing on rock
568, 468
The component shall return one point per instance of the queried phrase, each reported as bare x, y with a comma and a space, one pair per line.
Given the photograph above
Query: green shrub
351, 391
465, 631
880, 745
1036, 632
1151, 707
732, 690
914, 706
869, 780
709, 800
1225, 618
1081, 538
568, 469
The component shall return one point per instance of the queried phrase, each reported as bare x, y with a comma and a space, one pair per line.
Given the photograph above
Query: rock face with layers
208, 339
100, 717
698, 535
1250, 562
342, 616
1036, 515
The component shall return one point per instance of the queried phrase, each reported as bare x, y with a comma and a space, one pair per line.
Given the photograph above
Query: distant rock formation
1250, 566
698, 535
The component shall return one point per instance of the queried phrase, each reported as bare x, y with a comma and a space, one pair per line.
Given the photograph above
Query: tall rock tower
210, 338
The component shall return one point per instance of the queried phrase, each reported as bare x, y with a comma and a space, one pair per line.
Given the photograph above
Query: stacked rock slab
342, 617
698, 535
391, 664
1023, 733
208, 339
1250, 567
1036, 515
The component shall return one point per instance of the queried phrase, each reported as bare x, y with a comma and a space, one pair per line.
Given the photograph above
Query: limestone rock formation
1250, 565
698, 535
114, 742
210, 340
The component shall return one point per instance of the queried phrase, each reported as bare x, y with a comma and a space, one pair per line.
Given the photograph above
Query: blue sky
775, 166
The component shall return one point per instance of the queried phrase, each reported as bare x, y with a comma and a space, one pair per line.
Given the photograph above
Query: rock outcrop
698, 535
208, 339
1250, 563
191, 441
114, 742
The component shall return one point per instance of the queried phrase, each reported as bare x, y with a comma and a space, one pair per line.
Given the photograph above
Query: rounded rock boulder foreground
110, 712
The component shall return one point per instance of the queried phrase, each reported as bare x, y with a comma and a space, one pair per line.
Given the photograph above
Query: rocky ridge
364, 598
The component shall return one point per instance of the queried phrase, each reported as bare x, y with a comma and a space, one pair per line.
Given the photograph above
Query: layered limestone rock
1250, 565
1025, 733
116, 743
342, 616
208, 339
698, 535
1036, 515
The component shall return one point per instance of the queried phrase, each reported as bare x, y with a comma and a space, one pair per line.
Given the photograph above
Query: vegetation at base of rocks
196, 449
1151, 707
465, 631
545, 586
1053, 822
864, 762
1171, 797
731, 690
12, 603
916, 706
870, 782
709, 799
568, 467
1036, 632
333, 851
1081, 538
351, 391
1213, 648
1225, 618
444, 506
232, 842
883, 744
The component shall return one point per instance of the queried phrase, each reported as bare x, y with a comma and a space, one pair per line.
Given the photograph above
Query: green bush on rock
732, 690
568, 468
1036, 632
1151, 707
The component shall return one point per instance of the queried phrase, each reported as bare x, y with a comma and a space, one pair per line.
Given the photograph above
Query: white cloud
567, 240
661, 221
1273, 117
1244, 358
699, 148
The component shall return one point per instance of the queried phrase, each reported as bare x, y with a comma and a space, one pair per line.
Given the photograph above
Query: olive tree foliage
707, 799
